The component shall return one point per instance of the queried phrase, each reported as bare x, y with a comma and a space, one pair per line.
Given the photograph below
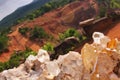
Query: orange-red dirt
115, 31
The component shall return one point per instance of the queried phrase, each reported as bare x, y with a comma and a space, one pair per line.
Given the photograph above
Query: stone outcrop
40, 67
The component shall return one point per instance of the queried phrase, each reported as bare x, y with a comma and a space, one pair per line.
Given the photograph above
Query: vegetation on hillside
24, 30
16, 59
10, 20
115, 3
4, 40
107, 5
53, 4
71, 33
48, 47
36, 33
103, 11
110, 3
3, 43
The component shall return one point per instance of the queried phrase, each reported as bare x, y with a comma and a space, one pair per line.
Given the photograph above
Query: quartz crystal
43, 56
97, 36
53, 68
89, 56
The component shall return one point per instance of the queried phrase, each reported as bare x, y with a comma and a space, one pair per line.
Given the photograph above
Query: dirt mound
80, 13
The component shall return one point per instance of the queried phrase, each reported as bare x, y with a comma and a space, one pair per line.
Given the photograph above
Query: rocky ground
97, 61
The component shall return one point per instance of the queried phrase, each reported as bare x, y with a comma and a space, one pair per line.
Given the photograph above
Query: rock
104, 66
97, 61
43, 56
14, 74
53, 68
29, 62
39, 67
89, 56
71, 67
100, 39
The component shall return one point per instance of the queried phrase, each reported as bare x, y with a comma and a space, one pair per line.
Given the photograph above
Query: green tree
30, 16
3, 43
38, 33
24, 30
47, 7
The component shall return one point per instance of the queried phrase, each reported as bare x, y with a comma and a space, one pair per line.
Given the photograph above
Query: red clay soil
50, 21
17, 42
115, 31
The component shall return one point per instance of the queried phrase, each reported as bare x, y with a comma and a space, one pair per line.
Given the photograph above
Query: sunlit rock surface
66, 67
97, 61
102, 58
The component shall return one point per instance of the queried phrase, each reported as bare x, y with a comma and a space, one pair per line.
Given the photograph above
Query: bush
70, 33
49, 47
16, 59
3, 43
103, 12
23, 31
38, 33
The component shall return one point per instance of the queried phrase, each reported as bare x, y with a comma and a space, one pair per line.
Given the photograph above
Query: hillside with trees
10, 20
31, 11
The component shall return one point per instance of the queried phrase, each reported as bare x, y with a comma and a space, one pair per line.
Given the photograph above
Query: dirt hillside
54, 22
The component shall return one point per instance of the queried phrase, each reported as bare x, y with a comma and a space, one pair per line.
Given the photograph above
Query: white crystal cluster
40, 67
97, 61
101, 39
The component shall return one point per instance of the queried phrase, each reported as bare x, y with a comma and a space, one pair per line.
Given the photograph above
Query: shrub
70, 33
49, 47
23, 31
3, 43
38, 33
103, 12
